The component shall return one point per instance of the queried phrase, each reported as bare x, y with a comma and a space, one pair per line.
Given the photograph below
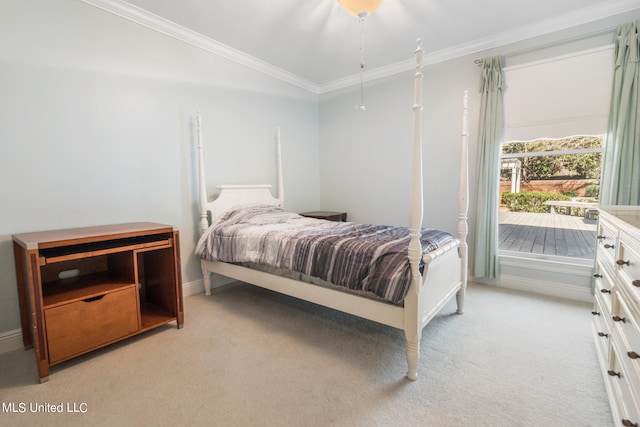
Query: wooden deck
548, 234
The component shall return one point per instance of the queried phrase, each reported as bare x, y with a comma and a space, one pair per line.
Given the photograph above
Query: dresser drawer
626, 401
629, 326
601, 331
84, 325
629, 265
603, 289
607, 240
605, 263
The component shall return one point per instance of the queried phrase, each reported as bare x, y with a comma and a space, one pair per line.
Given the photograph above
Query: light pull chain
362, 16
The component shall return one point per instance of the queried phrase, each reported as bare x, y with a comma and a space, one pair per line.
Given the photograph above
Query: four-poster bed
434, 277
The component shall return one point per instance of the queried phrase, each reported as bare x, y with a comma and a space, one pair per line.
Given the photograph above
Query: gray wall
96, 127
365, 157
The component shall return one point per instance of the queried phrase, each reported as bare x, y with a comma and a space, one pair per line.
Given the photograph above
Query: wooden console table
84, 288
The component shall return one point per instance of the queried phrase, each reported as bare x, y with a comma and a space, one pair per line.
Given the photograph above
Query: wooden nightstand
329, 216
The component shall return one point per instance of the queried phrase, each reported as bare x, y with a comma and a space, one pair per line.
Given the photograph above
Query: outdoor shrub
592, 191
570, 193
531, 201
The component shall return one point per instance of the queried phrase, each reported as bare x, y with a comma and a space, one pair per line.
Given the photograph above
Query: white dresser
616, 312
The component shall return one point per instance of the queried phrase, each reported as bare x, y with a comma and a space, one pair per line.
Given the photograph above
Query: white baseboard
561, 290
10, 341
192, 288
197, 286
556, 276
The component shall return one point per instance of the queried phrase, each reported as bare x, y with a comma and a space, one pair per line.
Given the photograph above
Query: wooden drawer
85, 325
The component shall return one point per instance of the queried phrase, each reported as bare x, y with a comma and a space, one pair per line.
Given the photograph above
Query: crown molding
584, 16
140, 16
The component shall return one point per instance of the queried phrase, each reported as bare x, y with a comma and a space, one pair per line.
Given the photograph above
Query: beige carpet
249, 357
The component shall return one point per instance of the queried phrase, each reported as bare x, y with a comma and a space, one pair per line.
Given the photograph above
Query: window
547, 103
549, 189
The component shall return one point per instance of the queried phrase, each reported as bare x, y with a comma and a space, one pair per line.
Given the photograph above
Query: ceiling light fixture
361, 9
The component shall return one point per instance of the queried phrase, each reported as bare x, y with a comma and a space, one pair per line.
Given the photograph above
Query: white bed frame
445, 270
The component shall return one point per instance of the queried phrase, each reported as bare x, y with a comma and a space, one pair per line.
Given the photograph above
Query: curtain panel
620, 181
485, 261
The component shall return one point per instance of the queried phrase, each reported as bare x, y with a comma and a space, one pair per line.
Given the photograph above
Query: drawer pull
605, 291
622, 262
96, 298
602, 334
600, 237
608, 246
633, 355
613, 373
597, 276
636, 283
619, 319
595, 313
629, 423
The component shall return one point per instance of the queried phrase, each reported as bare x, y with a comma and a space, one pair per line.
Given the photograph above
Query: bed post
203, 199
279, 168
463, 204
202, 182
412, 326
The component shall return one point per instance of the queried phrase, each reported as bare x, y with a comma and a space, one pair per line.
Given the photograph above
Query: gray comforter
363, 257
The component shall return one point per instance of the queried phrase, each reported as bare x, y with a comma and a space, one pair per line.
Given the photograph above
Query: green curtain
485, 264
620, 183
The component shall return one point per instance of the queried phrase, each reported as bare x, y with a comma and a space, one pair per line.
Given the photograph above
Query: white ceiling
317, 43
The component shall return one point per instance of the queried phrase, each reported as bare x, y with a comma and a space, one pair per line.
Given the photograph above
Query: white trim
560, 290
553, 264
579, 269
140, 16
192, 288
585, 52
133, 13
197, 286
560, 263
10, 341
548, 153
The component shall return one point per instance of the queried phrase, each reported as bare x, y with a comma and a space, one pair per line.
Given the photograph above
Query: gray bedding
361, 257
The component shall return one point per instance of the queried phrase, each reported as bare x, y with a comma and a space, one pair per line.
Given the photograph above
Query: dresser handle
636, 283
608, 246
605, 291
619, 319
633, 355
629, 423
597, 276
600, 237
603, 335
613, 373
621, 262
595, 313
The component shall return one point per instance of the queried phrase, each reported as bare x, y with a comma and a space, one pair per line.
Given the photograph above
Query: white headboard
235, 195
241, 195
